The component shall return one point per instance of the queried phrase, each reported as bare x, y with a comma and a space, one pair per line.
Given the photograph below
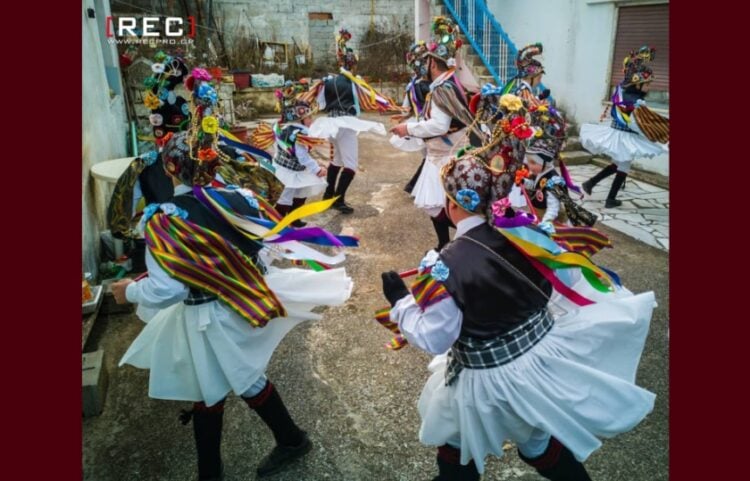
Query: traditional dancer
301, 175
215, 309
518, 375
529, 76
415, 98
444, 124
635, 131
343, 97
548, 190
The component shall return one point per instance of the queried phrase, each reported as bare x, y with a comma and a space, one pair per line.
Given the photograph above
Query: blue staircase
492, 46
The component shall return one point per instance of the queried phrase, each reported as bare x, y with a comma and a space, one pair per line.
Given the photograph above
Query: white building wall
578, 38
104, 134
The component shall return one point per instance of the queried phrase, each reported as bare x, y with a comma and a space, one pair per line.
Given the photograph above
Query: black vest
492, 298
201, 215
156, 185
282, 157
421, 89
339, 96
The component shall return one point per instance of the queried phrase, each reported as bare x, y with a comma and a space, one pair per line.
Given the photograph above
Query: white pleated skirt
305, 182
622, 147
201, 353
577, 384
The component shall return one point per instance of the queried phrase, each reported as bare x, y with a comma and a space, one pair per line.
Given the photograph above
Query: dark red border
708, 371
42, 240
708, 179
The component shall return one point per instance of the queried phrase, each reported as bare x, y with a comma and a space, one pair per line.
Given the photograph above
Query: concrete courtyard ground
356, 398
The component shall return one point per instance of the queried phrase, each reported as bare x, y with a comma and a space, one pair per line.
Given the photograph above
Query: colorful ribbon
203, 260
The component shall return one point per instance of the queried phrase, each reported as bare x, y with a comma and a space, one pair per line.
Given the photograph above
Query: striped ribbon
256, 232
560, 259
203, 260
262, 136
618, 105
369, 98
654, 127
426, 291
584, 240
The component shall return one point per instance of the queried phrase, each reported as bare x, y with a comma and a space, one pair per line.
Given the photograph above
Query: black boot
410, 185
296, 203
442, 230
604, 173
450, 467
283, 209
557, 463
331, 175
207, 424
616, 184
347, 175
291, 441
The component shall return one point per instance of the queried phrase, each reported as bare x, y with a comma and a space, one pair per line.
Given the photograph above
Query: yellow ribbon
300, 213
230, 136
359, 82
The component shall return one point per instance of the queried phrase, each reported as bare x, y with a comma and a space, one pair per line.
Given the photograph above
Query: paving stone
633, 231
636, 219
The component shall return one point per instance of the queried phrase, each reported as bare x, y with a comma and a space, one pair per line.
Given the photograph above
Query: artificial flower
206, 155
440, 271
210, 125
468, 199
151, 101
201, 74
511, 103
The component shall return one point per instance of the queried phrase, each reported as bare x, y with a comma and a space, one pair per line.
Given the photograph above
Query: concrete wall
104, 131
263, 100
280, 20
578, 38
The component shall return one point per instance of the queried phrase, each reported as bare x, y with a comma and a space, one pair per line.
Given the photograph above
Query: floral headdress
169, 112
549, 132
291, 108
414, 57
635, 69
194, 156
445, 42
468, 182
507, 125
525, 63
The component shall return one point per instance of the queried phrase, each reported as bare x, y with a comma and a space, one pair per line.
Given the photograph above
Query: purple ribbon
316, 235
520, 219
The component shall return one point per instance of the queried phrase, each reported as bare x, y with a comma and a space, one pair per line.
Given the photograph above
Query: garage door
638, 26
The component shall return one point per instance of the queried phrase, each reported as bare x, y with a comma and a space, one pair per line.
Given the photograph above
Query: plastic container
90, 306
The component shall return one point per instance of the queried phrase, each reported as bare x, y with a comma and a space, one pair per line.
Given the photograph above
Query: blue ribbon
536, 237
261, 156
490, 89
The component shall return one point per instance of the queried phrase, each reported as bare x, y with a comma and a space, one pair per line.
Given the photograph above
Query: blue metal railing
490, 42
